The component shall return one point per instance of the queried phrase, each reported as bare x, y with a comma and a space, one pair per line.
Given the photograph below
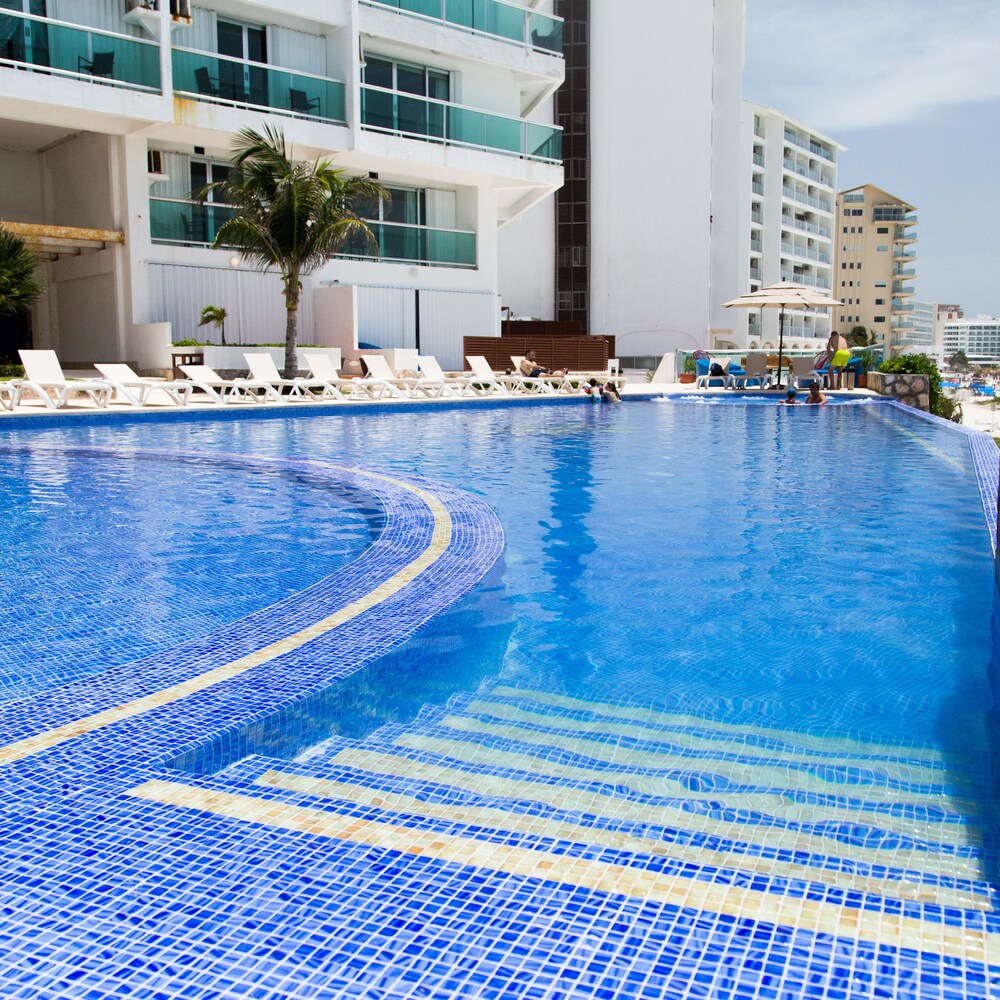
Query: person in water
790, 397
815, 396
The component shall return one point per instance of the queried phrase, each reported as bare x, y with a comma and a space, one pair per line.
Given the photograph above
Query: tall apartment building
874, 269
920, 337
978, 337
111, 111
642, 242
788, 228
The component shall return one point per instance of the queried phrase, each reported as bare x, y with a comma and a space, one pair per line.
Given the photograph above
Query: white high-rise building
978, 338
788, 235
642, 240
111, 111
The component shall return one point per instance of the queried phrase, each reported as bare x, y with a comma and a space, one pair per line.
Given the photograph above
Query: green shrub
920, 364
11, 371
190, 343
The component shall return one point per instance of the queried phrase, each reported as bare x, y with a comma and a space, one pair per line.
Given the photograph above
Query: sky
912, 89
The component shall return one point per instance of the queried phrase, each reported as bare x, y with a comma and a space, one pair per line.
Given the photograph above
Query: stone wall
914, 390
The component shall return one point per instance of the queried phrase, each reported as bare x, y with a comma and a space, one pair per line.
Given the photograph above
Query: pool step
470, 804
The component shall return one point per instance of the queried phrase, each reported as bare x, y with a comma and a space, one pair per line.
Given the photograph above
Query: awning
53, 242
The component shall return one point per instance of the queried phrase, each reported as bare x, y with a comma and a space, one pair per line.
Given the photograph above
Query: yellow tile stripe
914, 773
932, 449
628, 757
653, 887
670, 719
565, 830
438, 545
774, 804
623, 810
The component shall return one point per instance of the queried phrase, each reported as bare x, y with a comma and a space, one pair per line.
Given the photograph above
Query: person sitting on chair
530, 368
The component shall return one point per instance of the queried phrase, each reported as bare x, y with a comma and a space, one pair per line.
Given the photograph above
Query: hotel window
880, 302
882, 248
882, 230
880, 284
879, 319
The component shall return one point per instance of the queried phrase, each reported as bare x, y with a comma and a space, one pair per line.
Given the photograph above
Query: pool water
719, 722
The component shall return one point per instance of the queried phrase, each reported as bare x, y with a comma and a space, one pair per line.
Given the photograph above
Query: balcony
431, 120
805, 199
903, 236
805, 279
892, 213
757, 187
181, 222
758, 159
805, 227
186, 223
208, 76
904, 272
813, 147
813, 175
898, 288
756, 246
794, 251
495, 18
409, 244
899, 253
57, 48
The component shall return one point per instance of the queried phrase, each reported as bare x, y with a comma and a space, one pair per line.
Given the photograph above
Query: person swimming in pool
815, 396
790, 397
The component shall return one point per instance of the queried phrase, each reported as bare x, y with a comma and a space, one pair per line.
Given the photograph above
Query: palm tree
21, 286
217, 316
290, 216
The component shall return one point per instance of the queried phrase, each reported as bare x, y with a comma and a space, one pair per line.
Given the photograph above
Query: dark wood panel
574, 353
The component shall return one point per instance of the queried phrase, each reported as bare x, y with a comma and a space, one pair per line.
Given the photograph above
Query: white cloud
860, 64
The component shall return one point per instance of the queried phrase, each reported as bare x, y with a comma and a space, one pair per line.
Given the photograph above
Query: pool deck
510, 843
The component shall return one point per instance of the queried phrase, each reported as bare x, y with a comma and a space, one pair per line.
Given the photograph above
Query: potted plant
687, 376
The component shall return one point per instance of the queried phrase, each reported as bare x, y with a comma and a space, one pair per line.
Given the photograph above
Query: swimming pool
740, 645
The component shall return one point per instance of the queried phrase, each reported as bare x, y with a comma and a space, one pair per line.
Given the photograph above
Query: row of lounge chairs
799, 372
46, 382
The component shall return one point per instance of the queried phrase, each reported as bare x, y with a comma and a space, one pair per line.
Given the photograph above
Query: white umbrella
784, 295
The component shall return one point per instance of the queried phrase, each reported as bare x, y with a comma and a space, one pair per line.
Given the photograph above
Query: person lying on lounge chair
530, 368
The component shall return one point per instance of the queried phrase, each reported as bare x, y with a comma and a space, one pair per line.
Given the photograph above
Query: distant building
874, 264
978, 338
921, 334
793, 184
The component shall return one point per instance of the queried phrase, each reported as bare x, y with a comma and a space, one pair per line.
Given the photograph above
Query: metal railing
496, 18
58, 48
440, 121
208, 76
186, 223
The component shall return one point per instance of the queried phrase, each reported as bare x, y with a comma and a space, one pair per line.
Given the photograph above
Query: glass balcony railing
757, 187
411, 244
904, 272
488, 17
813, 175
792, 250
806, 227
900, 254
756, 246
892, 214
186, 223
806, 199
805, 279
176, 220
898, 288
62, 49
207, 76
757, 217
758, 158
813, 147
438, 121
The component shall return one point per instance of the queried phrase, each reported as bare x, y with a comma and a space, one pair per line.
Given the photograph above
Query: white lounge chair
322, 367
8, 395
802, 373
129, 384
454, 385
44, 377
756, 371
229, 390
263, 369
485, 378
539, 383
704, 381
378, 368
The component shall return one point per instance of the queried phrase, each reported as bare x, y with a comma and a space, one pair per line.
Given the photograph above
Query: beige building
874, 272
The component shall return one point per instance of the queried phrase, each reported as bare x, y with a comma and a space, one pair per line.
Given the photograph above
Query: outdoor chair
323, 367
546, 383
411, 385
102, 65
8, 395
484, 378
137, 389
301, 103
45, 379
755, 371
802, 373
224, 390
263, 369
704, 373
454, 385
205, 83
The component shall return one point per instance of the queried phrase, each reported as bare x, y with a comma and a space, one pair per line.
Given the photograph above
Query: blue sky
912, 88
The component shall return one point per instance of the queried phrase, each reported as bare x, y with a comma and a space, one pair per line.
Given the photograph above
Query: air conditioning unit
154, 162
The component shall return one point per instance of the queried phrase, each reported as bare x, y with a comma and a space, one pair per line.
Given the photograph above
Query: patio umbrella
784, 295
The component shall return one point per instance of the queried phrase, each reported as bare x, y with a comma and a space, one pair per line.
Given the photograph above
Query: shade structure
784, 295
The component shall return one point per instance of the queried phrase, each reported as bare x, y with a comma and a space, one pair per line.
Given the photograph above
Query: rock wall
914, 390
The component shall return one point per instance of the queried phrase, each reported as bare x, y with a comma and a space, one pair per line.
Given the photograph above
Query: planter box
914, 390
686, 378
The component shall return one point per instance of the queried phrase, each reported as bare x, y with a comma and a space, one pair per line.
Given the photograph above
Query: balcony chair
206, 85
102, 65
300, 102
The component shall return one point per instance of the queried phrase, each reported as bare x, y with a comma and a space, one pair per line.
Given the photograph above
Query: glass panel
429, 8
204, 76
173, 221
438, 85
405, 206
378, 73
257, 76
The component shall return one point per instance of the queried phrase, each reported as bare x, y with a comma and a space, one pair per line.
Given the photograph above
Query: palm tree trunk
291, 328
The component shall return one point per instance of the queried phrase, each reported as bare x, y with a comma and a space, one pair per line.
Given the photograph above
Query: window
882, 248
843, 266
879, 319
882, 230
384, 110
880, 284
880, 302
845, 229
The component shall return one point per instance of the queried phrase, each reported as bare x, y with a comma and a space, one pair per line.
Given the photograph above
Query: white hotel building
789, 237
111, 111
